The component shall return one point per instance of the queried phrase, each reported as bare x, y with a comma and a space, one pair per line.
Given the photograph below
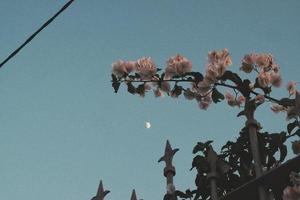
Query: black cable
36, 32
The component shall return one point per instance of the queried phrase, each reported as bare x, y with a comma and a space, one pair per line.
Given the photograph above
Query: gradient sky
62, 128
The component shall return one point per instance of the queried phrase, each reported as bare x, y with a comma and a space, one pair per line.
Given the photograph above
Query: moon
147, 125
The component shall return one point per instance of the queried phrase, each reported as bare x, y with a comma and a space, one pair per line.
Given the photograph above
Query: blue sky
62, 127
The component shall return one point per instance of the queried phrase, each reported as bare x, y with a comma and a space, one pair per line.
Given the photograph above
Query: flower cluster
145, 67
291, 111
203, 87
265, 66
218, 61
177, 66
234, 101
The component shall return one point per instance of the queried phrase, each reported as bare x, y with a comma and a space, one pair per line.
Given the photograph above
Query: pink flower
260, 99
203, 87
276, 108
219, 57
241, 100
267, 62
188, 94
146, 68
275, 79
177, 65
263, 60
247, 68
250, 59
233, 101
158, 93
218, 61
264, 79
205, 102
120, 68
291, 87
211, 74
165, 86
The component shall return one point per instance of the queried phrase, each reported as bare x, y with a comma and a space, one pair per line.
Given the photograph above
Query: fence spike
133, 195
101, 193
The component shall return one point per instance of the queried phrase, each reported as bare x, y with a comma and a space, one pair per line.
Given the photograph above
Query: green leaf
217, 96
291, 126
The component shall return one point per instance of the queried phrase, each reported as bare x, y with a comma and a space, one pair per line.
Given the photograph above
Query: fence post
212, 158
252, 126
169, 170
101, 193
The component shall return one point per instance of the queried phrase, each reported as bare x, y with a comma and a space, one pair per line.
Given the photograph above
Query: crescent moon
147, 125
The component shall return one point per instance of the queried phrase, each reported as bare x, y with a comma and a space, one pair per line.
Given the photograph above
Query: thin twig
191, 81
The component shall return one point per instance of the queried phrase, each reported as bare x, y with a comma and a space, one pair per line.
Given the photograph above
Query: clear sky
62, 128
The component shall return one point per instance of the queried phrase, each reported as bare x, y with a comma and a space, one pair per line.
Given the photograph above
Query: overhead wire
30, 38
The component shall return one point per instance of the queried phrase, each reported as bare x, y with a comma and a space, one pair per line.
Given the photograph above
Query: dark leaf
116, 86
137, 75
287, 102
197, 77
114, 78
162, 77
228, 145
222, 166
140, 89
200, 163
283, 152
183, 195
177, 90
158, 69
297, 132
228, 75
198, 194
243, 112
201, 146
245, 88
217, 96
291, 126
132, 77
266, 90
201, 181
130, 88
271, 161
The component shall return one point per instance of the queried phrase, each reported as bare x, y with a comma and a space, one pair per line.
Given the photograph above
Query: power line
36, 32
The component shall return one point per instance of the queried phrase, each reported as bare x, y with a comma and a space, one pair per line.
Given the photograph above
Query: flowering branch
255, 150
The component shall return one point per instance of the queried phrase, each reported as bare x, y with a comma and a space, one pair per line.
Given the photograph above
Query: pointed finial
133, 195
169, 154
101, 193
